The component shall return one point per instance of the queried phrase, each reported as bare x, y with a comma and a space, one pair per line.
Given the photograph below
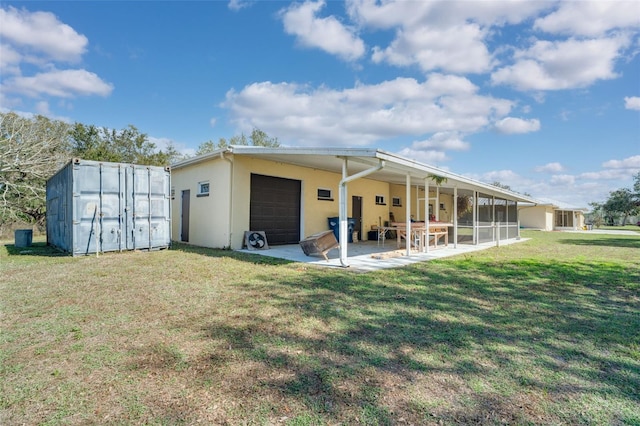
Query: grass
628, 227
541, 332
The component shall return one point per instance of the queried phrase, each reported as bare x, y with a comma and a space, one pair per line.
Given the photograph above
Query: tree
206, 147
503, 186
260, 138
31, 151
597, 214
622, 203
257, 138
120, 146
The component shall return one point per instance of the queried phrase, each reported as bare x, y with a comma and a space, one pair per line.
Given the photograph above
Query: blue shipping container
97, 206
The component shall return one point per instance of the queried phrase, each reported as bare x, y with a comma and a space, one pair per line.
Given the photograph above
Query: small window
203, 189
380, 200
173, 192
396, 202
325, 194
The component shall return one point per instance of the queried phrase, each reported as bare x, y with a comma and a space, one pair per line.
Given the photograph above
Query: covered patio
367, 256
477, 213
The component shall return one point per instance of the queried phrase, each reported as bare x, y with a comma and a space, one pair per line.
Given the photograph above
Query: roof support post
343, 239
455, 217
426, 214
475, 218
407, 215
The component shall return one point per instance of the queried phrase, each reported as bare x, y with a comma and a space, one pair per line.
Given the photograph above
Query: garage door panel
275, 208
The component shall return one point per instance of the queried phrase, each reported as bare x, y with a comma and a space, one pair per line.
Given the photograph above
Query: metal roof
395, 169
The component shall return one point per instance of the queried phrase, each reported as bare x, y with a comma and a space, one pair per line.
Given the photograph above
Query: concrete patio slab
369, 256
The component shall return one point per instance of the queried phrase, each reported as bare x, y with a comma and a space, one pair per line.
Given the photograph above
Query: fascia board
200, 158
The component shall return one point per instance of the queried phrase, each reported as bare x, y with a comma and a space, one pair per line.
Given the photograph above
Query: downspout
342, 194
230, 196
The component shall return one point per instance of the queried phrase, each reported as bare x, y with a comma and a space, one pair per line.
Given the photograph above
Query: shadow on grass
629, 242
342, 345
35, 249
232, 254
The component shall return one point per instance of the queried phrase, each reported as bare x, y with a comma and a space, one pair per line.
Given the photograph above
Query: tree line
621, 203
32, 149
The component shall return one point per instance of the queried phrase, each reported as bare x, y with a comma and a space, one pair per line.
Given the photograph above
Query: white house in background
551, 215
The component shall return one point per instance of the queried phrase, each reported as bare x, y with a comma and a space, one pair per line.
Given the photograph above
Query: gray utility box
97, 207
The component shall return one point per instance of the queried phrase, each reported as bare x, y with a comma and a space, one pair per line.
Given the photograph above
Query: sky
542, 96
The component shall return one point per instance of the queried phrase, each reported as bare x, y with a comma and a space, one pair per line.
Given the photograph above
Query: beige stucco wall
212, 224
537, 217
209, 216
314, 212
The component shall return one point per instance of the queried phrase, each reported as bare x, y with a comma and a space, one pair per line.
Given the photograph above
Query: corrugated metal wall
99, 207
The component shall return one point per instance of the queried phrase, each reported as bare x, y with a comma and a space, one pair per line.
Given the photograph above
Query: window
173, 192
396, 202
325, 194
203, 189
380, 200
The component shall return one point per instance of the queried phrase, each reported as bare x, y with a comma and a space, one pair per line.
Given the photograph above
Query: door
356, 214
275, 208
186, 200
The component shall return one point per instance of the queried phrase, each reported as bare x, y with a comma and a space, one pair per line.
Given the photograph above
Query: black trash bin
351, 226
334, 225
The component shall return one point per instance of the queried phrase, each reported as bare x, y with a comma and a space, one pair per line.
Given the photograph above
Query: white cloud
563, 179
458, 49
627, 163
550, 168
238, 4
40, 40
432, 150
442, 141
163, 143
505, 177
9, 60
391, 13
610, 174
59, 83
447, 35
43, 33
327, 34
559, 65
590, 18
513, 125
366, 113
632, 102
431, 157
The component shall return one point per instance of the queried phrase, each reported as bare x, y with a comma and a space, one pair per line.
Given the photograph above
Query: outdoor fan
256, 240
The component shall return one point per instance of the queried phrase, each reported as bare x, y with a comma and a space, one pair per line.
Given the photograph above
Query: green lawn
628, 227
541, 332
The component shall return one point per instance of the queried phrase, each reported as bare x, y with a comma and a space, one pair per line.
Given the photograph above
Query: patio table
437, 230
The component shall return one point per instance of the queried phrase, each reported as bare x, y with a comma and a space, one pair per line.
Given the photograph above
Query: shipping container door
159, 208
111, 190
141, 208
128, 229
86, 209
